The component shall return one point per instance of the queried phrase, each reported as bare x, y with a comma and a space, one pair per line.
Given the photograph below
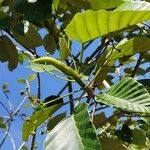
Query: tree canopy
110, 68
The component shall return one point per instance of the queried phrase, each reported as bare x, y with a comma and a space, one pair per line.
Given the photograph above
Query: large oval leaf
90, 24
75, 132
127, 95
105, 4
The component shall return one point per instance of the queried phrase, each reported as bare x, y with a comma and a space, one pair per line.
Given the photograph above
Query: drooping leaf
34, 12
64, 50
73, 132
8, 52
55, 120
105, 4
50, 44
36, 120
127, 95
90, 24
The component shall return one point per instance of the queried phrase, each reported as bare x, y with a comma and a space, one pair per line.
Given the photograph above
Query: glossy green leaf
127, 95
50, 44
105, 4
32, 77
36, 120
74, 132
55, 120
90, 24
8, 52
64, 50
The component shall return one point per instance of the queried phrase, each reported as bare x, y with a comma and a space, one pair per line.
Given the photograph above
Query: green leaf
127, 95
21, 80
124, 49
5, 86
105, 4
139, 137
99, 119
4, 20
32, 77
125, 133
8, 52
2, 123
146, 83
129, 47
50, 44
74, 132
90, 24
64, 50
22, 27
30, 39
36, 120
55, 120
37, 11
134, 5
111, 143
55, 4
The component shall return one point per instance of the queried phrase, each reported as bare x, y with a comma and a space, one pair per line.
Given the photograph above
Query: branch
38, 96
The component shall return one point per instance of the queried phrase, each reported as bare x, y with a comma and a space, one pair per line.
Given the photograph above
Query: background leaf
36, 120
8, 52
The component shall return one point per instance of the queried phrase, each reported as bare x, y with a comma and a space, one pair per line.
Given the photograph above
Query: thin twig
5, 108
22, 145
12, 141
19, 107
38, 96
